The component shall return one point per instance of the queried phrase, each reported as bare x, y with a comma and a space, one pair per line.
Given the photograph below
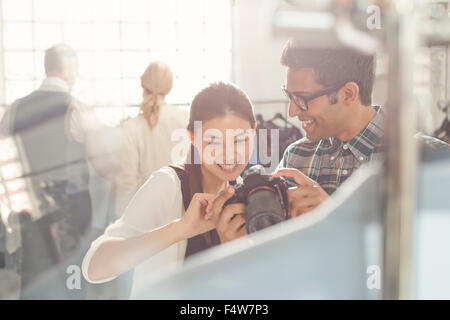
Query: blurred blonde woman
147, 144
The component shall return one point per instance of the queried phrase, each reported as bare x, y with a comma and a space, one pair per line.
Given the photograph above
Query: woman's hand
229, 221
230, 224
195, 221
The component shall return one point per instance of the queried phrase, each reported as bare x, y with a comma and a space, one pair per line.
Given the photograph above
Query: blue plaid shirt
330, 161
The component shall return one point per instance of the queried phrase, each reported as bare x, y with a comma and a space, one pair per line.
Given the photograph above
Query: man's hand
304, 198
229, 221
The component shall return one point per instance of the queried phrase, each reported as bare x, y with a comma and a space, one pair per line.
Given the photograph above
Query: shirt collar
54, 84
362, 144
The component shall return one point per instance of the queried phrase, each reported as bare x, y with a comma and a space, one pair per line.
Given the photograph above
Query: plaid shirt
330, 161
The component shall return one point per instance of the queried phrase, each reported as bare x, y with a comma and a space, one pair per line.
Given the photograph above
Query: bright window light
115, 41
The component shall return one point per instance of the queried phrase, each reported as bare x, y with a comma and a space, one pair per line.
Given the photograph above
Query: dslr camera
265, 198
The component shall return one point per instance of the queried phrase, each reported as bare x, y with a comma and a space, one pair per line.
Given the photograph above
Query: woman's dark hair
216, 100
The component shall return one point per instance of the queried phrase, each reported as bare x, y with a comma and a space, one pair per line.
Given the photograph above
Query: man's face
323, 119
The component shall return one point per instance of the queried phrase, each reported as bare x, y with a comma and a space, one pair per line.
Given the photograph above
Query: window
115, 40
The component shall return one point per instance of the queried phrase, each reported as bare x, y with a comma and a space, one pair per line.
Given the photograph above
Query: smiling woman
159, 227
219, 107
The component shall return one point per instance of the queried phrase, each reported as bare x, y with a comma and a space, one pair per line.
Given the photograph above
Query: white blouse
144, 151
158, 202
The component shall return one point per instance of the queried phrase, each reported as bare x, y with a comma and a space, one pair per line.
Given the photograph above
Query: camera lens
263, 210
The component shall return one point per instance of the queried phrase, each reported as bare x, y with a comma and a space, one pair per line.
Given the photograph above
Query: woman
155, 228
147, 144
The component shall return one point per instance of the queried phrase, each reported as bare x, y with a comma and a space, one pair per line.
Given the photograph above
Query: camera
265, 198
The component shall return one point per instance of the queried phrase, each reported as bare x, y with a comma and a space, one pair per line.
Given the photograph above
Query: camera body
265, 198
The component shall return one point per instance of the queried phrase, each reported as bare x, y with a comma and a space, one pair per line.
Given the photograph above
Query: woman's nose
228, 154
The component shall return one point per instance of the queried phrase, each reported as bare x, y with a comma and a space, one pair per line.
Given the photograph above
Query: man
49, 128
330, 93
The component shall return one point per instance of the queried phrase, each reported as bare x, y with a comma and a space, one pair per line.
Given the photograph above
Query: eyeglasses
301, 101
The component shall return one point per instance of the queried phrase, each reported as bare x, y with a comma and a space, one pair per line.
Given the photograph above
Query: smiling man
330, 93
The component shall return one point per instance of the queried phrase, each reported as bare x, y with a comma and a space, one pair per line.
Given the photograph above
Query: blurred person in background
147, 142
44, 126
55, 135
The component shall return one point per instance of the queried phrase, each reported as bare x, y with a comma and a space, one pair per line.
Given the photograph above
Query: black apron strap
184, 180
202, 241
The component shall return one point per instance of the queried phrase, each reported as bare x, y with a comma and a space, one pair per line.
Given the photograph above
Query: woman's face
226, 144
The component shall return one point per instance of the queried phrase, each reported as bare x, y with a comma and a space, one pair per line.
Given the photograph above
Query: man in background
49, 128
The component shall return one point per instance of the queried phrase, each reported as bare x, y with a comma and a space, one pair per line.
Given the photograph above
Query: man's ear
350, 93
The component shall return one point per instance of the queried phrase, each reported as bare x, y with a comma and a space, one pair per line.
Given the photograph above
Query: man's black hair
334, 67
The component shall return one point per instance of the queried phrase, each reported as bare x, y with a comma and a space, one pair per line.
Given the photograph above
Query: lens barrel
263, 210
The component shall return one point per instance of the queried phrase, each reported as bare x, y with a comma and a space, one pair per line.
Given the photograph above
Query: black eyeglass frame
293, 96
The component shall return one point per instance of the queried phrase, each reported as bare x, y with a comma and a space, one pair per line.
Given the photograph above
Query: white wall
256, 54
